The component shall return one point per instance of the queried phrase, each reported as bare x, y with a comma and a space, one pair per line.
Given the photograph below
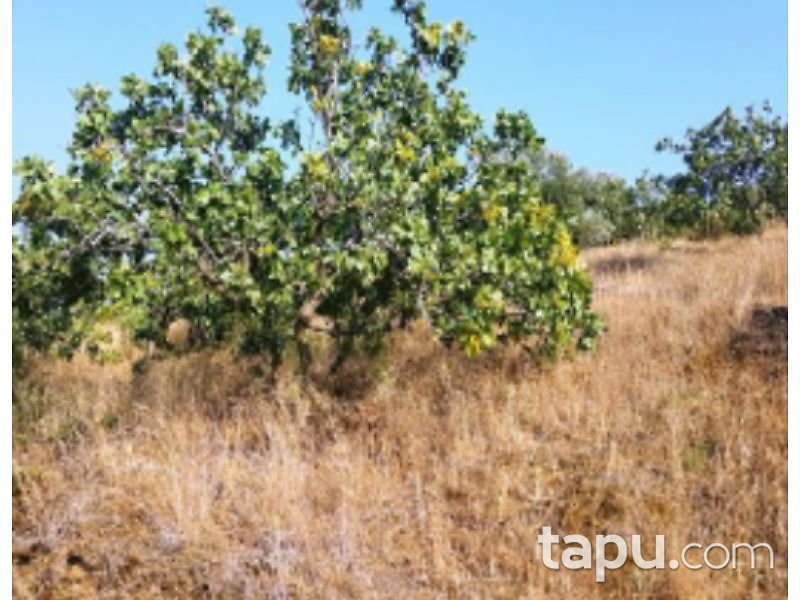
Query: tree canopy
182, 199
736, 176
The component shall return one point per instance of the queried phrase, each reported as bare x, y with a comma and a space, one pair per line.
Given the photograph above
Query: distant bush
598, 207
736, 180
592, 228
736, 177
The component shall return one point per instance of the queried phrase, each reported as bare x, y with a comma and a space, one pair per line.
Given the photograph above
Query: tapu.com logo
578, 554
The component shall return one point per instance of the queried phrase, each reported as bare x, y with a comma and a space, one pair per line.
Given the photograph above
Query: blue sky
603, 81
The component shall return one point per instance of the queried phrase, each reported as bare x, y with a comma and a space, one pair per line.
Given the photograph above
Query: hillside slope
426, 475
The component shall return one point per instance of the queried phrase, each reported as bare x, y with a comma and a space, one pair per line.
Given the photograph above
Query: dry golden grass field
425, 474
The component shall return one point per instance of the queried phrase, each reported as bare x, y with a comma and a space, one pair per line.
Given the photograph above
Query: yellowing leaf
459, 198
432, 34
539, 213
432, 175
564, 253
316, 166
361, 68
472, 346
491, 212
404, 154
266, 250
101, 153
451, 164
328, 44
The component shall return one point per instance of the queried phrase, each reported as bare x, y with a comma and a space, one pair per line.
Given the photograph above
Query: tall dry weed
431, 475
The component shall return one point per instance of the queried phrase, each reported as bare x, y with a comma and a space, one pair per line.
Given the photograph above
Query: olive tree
182, 199
599, 208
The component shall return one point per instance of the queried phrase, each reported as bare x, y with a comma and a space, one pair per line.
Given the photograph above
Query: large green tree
182, 200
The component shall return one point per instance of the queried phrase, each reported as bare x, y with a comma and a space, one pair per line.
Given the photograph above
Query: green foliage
735, 181
599, 208
736, 176
183, 201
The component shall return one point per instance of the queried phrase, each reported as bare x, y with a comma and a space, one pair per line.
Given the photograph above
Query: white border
794, 192
5, 182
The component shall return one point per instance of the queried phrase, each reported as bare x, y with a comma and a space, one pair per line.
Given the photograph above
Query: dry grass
431, 475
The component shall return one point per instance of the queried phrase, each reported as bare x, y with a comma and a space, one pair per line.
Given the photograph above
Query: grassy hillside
426, 475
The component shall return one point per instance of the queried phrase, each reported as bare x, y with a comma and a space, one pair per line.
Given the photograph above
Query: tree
598, 207
186, 202
736, 177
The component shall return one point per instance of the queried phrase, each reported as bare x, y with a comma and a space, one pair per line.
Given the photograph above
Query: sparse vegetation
431, 475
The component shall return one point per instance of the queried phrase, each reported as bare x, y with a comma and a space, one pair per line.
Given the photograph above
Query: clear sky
602, 80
